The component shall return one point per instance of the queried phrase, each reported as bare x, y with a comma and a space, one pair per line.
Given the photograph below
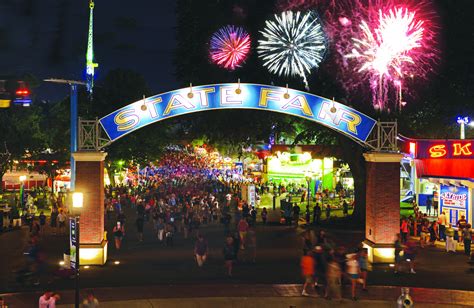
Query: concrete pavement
147, 264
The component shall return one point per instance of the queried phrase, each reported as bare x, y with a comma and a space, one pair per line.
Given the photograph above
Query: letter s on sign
126, 120
438, 150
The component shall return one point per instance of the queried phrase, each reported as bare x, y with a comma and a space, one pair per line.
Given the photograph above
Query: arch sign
339, 117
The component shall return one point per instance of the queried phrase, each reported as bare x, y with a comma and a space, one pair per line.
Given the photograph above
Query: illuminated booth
291, 165
444, 174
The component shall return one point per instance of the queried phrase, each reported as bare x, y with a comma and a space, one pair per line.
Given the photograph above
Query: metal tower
90, 65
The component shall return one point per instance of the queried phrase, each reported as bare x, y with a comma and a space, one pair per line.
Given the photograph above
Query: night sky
48, 39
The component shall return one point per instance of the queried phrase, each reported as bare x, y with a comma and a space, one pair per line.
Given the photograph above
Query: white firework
294, 43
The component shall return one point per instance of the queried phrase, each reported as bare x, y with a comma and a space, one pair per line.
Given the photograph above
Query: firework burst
229, 47
380, 48
387, 52
294, 43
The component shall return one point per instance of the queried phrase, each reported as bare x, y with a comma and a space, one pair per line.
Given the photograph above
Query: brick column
382, 205
90, 182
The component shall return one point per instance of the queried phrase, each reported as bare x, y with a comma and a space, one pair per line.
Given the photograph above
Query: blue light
463, 120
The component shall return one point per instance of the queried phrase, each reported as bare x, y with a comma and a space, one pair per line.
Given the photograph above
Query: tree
121, 87
21, 135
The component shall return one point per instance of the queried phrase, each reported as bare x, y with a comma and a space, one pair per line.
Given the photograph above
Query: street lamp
308, 176
22, 182
463, 121
77, 203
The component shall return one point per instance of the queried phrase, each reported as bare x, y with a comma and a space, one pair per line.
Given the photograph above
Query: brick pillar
90, 182
382, 205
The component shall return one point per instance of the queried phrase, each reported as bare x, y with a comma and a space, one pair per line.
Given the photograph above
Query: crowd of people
180, 195
326, 266
431, 229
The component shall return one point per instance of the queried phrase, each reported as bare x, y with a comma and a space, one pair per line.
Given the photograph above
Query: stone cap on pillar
89, 156
383, 157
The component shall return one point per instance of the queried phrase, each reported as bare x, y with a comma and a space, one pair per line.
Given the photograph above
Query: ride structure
90, 64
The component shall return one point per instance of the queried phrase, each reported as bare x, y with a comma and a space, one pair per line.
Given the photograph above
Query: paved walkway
203, 295
147, 264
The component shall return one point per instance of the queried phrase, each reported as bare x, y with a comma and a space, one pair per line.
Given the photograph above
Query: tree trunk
352, 153
111, 173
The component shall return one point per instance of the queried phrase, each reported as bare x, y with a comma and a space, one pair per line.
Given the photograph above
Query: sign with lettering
445, 149
339, 117
454, 202
73, 241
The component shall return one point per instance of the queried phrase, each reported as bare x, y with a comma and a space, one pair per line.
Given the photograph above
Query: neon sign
457, 149
339, 117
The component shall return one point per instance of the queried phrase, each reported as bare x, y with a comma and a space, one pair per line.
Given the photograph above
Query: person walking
119, 232
252, 244
90, 301
62, 222
48, 299
450, 242
242, 227
307, 270
139, 224
404, 230
364, 267
353, 270
409, 253
442, 222
461, 223
467, 239
296, 214
200, 250
160, 229
42, 222
307, 242
328, 211
333, 278
398, 249
433, 229
345, 208
264, 215
429, 202
229, 255
317, 214
424, 233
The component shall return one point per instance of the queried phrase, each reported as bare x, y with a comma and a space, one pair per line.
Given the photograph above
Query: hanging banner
339, 117
73, 241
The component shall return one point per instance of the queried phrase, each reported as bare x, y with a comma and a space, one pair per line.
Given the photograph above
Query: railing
382, 139
90, 136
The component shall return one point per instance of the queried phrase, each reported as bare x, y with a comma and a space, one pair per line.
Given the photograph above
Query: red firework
348, 23
229, 47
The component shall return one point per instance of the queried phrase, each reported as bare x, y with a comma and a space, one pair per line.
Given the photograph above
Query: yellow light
87, 266
22, 178
61, 263
77, 199
117, 262
391, 265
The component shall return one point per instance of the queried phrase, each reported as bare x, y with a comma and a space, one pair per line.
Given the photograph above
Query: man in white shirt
48, 300
442, 222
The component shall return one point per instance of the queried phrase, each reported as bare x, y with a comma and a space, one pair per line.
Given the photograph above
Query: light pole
22, 182
73, 84
463, 121
308, 176
77, 203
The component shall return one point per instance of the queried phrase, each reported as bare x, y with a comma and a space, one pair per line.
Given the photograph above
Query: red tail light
22, 92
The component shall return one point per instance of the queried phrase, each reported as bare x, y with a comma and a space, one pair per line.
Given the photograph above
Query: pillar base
93, 254
379, 253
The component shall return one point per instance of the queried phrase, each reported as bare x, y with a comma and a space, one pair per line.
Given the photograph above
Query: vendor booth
443, 175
